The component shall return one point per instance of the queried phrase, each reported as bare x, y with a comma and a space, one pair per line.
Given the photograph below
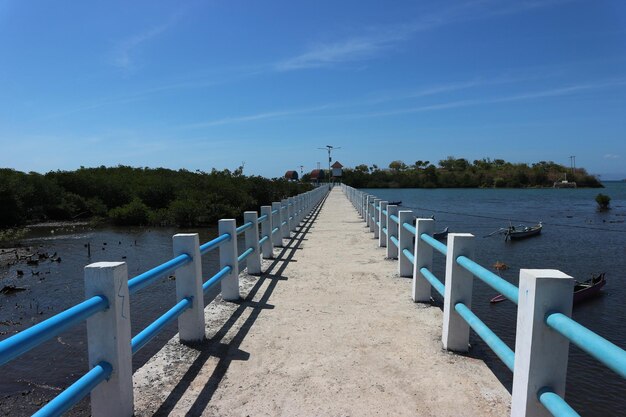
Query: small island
461, 173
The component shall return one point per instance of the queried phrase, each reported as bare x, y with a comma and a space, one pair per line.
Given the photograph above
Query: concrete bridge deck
328, 330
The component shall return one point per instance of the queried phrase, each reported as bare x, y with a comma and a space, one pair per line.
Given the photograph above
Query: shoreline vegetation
461, 173
128, 196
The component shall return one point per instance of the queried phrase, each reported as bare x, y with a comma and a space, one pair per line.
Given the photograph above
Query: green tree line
461, 173
136, 196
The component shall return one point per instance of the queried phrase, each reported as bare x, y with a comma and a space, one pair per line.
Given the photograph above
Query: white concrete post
228, 257
367, 210
405, 267
372, 214
108, 339
392, 230
253, 261
362, 202
423, 259
189, 284
277, 240
382, 219
376, 217
458, 284
284, 219
364, 207
266, 230
540, 352
291, 219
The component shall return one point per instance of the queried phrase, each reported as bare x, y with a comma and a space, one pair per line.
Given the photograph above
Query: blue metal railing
496, 344
394, 240
35, 335
596, 346
245, 254
409, 255
30, 338
555, 404
409, 228
507, 289
212, 244
216, 278
147, 278
243, 227
435, 244
144, 336
434, 281
77, 391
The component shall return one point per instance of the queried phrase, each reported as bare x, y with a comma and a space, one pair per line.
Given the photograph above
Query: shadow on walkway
227, 353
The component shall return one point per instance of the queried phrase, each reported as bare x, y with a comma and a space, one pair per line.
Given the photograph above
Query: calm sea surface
576, 239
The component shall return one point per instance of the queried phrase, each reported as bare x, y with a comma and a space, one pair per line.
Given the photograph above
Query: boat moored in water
521, 232
582, 290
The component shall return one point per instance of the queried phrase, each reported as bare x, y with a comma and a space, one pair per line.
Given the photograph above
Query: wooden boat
521, 232
582, 290
394, 203
441, 235
587, 289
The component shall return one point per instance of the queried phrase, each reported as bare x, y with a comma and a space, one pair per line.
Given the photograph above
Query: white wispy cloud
256, 116
125, 49
377, 40
611, 156
555, 92
420, 93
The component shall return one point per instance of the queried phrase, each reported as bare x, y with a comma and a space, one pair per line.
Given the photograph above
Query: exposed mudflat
329, 330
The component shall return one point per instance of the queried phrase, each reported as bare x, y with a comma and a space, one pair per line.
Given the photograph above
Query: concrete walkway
329, 331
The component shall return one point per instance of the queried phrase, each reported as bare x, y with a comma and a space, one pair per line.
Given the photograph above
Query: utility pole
301, 170
329, 148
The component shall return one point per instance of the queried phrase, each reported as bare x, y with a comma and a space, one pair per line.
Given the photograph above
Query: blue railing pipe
35, 335
216, 278
144, 280
77, 391
245, 254
212, 244
496, 344
435, 244
596, 346
507, 289
434, 282
243, 227
144, 336
409, 228
555, 404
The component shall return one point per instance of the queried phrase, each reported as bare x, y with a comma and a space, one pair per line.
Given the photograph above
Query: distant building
317, 175
291, 175
336, 169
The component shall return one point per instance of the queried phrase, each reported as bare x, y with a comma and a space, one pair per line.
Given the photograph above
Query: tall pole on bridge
329, 148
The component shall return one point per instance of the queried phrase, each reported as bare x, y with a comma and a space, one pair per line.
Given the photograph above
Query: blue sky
206, 84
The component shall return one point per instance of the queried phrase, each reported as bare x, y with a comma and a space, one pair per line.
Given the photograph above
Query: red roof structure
336, 165
291, 175
317, 174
